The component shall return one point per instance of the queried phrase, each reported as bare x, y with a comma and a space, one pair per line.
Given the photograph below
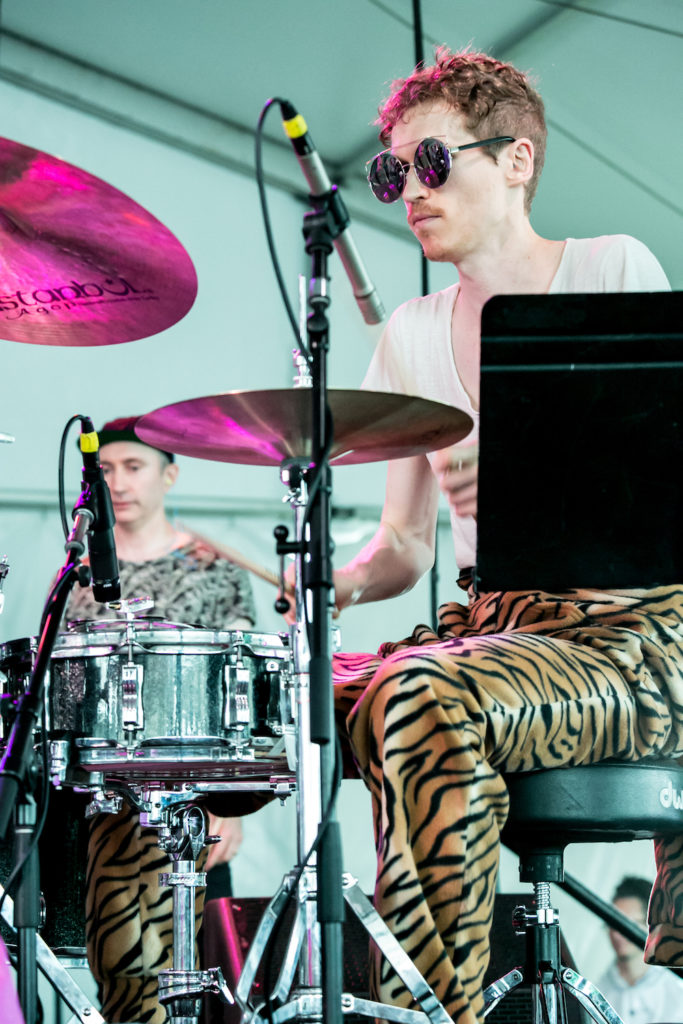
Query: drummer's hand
230, 831
457, 471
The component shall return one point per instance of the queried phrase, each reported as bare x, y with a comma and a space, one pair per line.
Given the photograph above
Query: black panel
581, 442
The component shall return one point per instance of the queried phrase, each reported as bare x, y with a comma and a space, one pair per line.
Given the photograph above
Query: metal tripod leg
57, 975
395, 954
590, 997
544, 973
306, 999
547, 1001
271, 915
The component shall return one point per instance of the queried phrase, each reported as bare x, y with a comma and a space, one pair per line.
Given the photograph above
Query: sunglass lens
432, 163
387, 177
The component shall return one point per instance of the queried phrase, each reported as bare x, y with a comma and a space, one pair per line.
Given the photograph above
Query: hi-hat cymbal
261, 428
80, 262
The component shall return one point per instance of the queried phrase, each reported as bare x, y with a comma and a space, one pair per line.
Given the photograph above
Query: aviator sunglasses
387, 174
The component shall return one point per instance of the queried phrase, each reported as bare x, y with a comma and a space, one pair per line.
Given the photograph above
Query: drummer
129, 931
508, 681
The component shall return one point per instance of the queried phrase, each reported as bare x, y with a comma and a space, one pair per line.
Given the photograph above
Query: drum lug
59, 761
132, 714
237, 680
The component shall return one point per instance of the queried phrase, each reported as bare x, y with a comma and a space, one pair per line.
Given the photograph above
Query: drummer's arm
402, 550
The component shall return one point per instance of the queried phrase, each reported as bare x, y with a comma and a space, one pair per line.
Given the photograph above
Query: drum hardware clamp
183, 836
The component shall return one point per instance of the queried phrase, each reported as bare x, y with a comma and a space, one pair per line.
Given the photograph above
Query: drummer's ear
170, 474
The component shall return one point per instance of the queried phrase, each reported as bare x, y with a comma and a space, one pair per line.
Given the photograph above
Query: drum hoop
109, 639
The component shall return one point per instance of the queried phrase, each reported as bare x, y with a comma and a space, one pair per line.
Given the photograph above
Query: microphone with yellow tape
319, 184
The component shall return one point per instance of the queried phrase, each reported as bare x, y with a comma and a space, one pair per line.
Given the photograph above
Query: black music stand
581, 442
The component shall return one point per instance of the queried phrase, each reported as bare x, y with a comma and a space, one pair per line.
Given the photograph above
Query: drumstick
234, 556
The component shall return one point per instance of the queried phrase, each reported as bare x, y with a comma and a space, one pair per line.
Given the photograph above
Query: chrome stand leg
181, 989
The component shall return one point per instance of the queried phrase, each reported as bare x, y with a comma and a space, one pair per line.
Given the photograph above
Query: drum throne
609, 802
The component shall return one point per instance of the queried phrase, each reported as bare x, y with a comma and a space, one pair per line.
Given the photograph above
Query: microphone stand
319, 996
320, 228
18, 772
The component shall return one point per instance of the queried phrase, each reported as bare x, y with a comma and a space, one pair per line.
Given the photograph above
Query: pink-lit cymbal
80, 262
262, 428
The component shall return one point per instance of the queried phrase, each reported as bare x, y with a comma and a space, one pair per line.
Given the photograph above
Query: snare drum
148, 700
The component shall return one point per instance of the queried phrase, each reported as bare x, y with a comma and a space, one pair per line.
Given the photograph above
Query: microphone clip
329, 213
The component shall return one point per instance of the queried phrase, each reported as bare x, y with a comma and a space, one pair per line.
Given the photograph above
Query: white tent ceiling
197, 73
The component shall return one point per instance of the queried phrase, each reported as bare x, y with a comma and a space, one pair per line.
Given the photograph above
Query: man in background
128, 916
639, 992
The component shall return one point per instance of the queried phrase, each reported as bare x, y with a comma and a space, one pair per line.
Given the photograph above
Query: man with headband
509, 681
192, 584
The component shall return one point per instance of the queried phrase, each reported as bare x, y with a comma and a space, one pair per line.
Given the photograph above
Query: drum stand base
305, 1002
182, 988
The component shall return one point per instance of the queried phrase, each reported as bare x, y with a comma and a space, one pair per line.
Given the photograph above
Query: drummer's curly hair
493, 97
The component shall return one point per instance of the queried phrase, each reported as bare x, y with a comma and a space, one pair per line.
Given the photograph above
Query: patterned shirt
192, 585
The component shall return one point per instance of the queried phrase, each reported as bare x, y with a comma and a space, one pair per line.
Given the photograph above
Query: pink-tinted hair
493, 98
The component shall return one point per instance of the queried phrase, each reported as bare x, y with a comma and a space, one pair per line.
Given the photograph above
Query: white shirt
415, 355
655, 998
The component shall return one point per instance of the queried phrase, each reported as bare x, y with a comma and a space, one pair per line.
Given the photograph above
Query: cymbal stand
303, 949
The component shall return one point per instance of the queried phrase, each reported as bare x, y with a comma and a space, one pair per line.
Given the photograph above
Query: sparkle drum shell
153, 700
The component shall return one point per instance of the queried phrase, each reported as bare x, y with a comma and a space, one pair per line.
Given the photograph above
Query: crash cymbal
261, 428
80, 262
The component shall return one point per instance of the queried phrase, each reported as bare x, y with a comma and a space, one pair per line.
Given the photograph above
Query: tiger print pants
511, 682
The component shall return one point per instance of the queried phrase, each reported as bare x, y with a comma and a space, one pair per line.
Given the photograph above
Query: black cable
325, 820
417, 33
313, 486
391, 11
60, 474
258, 157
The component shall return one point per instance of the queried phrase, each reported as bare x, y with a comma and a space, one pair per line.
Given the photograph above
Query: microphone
104, 565
319, 184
